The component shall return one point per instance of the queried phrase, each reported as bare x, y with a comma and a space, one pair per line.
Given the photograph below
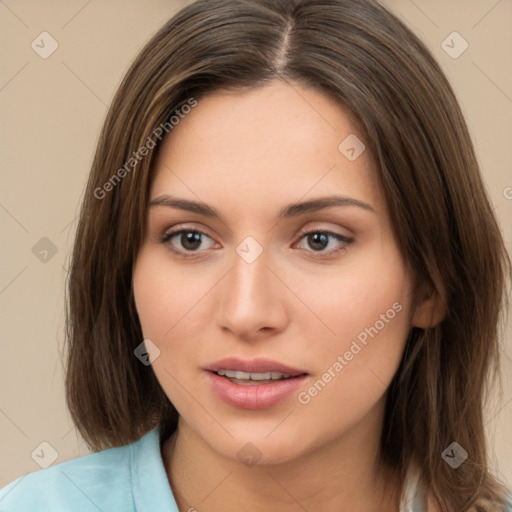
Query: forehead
265, 145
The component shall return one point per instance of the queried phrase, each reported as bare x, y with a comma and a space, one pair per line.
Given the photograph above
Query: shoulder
98, 481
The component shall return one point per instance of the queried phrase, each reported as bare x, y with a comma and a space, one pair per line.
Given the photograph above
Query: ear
430, 310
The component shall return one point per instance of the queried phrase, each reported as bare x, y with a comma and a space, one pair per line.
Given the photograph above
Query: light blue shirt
125, 479
129, 478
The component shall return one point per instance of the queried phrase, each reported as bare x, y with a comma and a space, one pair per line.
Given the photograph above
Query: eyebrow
291, 210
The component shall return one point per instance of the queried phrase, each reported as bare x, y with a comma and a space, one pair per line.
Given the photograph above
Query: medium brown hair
366, 59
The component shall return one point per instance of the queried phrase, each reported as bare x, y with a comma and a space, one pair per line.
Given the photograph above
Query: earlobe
429, 311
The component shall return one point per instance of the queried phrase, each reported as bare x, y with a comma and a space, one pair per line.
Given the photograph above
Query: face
311, 303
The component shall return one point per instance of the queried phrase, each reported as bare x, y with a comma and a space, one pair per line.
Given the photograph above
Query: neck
343, 475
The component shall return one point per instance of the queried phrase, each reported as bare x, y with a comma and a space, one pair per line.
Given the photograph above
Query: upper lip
259, 365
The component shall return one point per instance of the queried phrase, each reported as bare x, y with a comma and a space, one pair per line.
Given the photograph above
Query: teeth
235, 374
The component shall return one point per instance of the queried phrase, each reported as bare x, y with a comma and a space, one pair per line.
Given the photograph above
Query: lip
254, 396
259, 365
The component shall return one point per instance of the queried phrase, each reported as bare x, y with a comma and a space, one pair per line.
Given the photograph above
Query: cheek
164, 296
373, 290
165, 299
376, 305
368, 306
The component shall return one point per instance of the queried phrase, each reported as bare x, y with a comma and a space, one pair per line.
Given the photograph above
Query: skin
247, 155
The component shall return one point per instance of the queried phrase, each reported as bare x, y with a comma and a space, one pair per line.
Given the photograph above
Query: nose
251, 300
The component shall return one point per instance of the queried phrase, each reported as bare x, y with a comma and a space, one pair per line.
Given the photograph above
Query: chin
257, 447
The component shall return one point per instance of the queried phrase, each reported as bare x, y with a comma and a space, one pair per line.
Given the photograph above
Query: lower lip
254, 396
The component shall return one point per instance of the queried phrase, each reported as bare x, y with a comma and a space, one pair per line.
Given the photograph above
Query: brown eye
318, 241
190, 240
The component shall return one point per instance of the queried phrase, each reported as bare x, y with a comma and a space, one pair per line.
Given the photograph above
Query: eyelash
165, 239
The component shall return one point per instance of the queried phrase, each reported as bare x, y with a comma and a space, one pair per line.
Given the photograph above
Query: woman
287, 276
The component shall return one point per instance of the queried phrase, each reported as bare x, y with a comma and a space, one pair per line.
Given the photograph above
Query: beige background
52, 110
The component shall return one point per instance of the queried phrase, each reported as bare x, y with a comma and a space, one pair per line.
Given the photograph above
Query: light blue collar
151, 489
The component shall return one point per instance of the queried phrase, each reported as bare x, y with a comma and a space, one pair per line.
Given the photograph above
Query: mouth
252, 379
254, 384
253, 371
